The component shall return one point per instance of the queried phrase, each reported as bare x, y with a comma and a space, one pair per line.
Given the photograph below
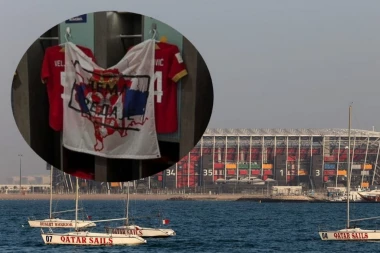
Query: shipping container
325, 178
255, 166
255, 172
159, 178
115, 184
219, 165
303, 172
243, 166
342, 172
231, 172
330, 166
329, 159
329, 172
268, 172
365, 184
243, 172
364, 173
292, 158
231, 166
267, 166
367, 166
356, 166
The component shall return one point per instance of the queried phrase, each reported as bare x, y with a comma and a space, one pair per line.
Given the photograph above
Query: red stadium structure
314, 158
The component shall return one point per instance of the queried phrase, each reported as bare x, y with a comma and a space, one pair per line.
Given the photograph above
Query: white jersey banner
110, 112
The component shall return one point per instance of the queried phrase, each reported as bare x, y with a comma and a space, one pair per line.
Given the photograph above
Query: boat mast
126, 221
51, 191
76, 203
349, 167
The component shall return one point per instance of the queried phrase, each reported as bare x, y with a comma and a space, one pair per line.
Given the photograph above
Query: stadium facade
314, 158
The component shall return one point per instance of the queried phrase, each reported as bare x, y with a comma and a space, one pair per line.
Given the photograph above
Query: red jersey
169, 69
52, 67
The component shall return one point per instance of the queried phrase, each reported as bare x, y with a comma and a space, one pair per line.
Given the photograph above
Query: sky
274, 64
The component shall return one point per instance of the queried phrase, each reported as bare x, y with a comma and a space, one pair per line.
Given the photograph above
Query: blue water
208, 226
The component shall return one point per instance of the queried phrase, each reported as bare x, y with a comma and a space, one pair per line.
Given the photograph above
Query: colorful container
115, 184
243, 165
268, 172
303, 172
342, 172
330, 166
218, 165
329, 158
329, 172
365, 184
255, 172
231, 166
255, 166
267, 166
243, 172
367, 166
231, 172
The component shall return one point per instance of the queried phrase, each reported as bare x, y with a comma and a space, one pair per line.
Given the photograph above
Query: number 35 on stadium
207, 172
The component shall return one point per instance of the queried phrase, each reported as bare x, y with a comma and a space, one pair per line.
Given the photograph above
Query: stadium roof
289, 132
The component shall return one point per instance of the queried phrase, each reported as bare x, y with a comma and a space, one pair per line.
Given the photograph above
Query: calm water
201, 226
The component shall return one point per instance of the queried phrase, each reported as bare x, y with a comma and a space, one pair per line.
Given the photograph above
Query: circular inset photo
112, 96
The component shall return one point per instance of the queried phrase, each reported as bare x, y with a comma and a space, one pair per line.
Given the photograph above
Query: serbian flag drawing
165, 221
110, 112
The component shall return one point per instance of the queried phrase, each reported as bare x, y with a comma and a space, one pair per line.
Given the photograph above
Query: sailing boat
79, 237
133, 229
350, 233
56, 222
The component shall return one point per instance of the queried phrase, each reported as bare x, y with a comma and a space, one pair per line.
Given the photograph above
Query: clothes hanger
68, 33
154, 37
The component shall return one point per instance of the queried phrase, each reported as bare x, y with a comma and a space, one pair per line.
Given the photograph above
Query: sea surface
201, 226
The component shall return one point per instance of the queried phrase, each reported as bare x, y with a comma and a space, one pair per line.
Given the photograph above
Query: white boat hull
58, 223
87, 238
141, 231
355, 234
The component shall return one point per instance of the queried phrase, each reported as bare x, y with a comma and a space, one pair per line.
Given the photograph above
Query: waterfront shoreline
132, 196
163, 197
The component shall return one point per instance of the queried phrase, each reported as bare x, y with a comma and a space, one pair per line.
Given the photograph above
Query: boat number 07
207, 172
317, 173
48, 238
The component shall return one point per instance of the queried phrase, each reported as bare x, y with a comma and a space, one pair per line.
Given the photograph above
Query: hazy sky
274, 64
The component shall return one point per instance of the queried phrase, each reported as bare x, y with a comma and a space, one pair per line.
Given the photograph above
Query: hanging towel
110, 112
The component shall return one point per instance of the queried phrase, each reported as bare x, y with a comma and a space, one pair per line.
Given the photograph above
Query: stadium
233, 160
313, 158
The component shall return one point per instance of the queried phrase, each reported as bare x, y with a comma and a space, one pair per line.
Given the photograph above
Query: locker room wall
30, 101
82, 33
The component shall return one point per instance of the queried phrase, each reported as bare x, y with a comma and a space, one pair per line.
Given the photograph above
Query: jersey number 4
158, 92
